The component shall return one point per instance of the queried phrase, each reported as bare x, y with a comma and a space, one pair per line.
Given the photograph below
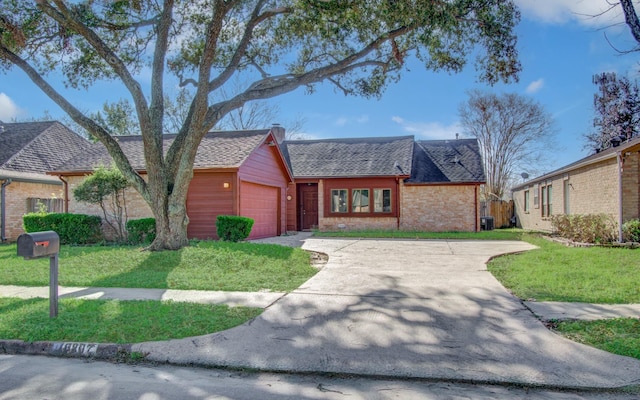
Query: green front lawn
203, 266
618, 336
497, 234
113, 321
555, 272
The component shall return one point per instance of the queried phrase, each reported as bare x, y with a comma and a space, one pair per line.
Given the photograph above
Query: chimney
278, 132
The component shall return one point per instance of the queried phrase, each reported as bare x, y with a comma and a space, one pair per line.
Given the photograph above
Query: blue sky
561, 46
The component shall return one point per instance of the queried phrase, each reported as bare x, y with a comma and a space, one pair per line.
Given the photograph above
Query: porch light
226, 185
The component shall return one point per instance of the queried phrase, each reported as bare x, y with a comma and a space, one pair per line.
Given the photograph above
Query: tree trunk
170, 212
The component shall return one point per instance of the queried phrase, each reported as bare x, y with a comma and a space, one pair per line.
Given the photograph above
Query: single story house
28, 150
607, 182
356, 183
235, 173
384, 183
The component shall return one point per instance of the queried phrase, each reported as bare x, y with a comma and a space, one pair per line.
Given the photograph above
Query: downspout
3, 210
65, 184
620, 164
475, 206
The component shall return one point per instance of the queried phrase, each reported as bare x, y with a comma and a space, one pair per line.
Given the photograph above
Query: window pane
339, 200
382, 200
360, 201
526, 200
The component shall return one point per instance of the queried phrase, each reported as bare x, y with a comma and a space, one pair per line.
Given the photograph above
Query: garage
260, 202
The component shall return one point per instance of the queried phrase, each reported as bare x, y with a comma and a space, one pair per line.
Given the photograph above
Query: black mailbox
38, 244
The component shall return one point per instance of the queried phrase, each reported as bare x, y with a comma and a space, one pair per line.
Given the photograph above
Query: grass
618, 336
112, 321
205, 265
497, 234
555, 272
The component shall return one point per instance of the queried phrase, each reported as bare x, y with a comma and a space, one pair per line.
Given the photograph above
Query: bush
631, 230
585, 228
233, 228
141, 230
72, 228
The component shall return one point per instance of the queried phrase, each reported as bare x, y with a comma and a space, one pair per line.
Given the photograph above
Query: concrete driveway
405, 308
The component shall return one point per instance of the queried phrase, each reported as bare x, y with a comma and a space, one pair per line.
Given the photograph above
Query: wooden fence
501, 211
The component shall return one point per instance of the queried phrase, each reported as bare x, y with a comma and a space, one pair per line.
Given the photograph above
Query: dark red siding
264, 167
207, 198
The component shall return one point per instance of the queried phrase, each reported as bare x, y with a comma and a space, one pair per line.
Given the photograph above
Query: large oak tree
359, 46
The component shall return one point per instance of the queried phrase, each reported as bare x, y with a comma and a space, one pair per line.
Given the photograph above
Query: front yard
203, 265
555, 272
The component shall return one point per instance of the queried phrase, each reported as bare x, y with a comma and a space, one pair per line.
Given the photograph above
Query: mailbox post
36, 245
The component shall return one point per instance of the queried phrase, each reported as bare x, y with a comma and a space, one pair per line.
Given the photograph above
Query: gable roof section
346, 158
611, 152
447, 161
217, 150
37, 147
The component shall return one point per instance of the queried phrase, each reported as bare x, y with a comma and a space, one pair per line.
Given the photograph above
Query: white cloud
535, 86
8, 109
428, 130
587, 12
342, 121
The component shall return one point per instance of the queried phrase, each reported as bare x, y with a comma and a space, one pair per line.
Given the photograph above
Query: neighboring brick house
384, 183
235, 173
27, 151
588, 186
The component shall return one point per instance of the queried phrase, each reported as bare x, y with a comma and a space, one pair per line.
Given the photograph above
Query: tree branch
110, 143
66, 18
631, 18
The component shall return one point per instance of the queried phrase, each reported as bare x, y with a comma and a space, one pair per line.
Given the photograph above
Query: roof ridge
351, 139
30, 142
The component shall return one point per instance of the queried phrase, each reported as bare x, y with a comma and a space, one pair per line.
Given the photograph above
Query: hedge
72, 228
233, 228
141, 230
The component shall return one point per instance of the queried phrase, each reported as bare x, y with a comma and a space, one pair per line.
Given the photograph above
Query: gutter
3, 209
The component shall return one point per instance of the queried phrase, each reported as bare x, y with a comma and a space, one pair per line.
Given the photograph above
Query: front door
308, 206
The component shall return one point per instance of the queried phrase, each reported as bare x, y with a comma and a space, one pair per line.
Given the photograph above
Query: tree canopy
279, 45
513, 133
617, 111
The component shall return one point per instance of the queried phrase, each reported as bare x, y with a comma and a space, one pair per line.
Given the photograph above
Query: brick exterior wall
136, 206
439, 208
593, 189
16, 195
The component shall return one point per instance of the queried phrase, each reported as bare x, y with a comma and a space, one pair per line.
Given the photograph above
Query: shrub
141, 230
586, 228
233, 228
72, 228
631, 230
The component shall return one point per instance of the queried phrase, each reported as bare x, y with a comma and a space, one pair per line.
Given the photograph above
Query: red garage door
260, 203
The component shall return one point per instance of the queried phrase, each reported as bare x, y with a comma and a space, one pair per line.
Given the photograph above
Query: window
35, 204
360, 201
381, 200
536, 201
526, 201
547, 207
339, 201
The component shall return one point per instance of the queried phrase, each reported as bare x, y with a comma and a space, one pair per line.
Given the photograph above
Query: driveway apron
405, 308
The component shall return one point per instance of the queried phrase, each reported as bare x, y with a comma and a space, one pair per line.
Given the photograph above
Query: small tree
106, 188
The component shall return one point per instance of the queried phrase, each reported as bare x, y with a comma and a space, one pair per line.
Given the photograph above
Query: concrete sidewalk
546, 310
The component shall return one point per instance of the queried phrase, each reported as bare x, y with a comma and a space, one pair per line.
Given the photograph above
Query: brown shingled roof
217, 150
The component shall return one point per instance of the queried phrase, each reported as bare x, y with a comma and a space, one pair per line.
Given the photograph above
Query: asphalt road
38, 377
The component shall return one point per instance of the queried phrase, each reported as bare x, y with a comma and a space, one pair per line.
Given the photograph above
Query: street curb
98, 351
